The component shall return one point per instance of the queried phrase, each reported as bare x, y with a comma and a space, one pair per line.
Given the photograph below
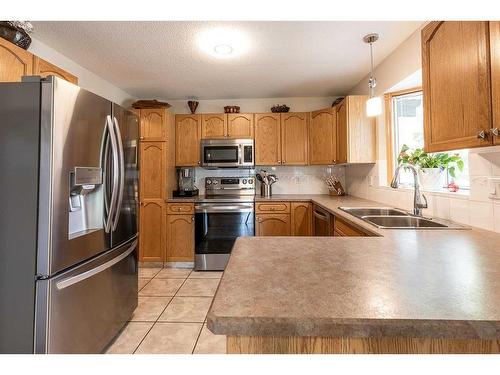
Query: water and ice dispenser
85, 201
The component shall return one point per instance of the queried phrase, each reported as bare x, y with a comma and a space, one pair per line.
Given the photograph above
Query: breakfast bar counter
403, 291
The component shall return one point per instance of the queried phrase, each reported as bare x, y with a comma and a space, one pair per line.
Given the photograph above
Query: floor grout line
197, 339
156, 321
176, 294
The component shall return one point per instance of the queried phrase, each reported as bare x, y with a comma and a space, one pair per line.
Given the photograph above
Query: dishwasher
322, 220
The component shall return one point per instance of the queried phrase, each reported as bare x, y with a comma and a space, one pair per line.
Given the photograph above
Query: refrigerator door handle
114, 193
85, 275
121, 177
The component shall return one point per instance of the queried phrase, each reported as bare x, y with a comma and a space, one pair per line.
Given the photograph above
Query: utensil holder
266, 190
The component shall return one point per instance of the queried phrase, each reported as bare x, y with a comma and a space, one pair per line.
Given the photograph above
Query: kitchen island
403, 291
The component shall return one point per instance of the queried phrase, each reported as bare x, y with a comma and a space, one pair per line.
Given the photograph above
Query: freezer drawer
88, 305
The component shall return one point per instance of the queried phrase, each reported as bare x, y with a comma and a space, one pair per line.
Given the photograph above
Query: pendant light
374, 103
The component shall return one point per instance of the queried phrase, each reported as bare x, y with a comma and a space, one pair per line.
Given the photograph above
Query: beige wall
254, 105
403, 62
86, 78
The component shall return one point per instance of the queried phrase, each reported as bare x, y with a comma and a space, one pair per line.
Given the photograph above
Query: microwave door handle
121, 168
239, 154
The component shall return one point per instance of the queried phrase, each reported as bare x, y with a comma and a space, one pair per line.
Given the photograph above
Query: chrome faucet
419, 200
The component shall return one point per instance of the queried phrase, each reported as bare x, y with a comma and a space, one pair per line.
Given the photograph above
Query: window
407, 128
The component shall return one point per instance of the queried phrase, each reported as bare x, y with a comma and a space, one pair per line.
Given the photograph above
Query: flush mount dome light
223, 42
223, 49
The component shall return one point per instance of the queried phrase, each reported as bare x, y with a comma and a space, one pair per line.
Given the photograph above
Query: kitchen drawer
279, 207
343, 229
180, 208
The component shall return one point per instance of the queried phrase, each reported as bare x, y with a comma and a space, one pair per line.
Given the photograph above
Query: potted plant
431, 167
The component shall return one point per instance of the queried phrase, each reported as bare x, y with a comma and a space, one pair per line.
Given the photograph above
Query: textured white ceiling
284, 59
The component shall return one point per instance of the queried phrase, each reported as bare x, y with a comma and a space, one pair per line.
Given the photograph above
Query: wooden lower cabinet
357, 345
301, 219
180, 238
152, 231
272, 225
341, 228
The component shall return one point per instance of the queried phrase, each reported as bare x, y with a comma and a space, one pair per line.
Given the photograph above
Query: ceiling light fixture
374, 103
223, 42
223, 49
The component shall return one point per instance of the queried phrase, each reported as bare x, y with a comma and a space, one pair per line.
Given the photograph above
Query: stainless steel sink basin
373, 211
403, 222
393, 218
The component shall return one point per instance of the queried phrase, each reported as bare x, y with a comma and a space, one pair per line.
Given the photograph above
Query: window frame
390, 130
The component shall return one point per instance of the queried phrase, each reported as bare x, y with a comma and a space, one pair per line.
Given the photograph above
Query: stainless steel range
225, 214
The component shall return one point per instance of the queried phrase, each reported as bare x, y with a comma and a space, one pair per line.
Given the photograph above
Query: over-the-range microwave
227, 153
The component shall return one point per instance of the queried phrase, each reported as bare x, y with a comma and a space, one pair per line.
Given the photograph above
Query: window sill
461, 194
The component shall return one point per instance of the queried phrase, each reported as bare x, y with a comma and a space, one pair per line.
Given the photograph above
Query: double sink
393, 218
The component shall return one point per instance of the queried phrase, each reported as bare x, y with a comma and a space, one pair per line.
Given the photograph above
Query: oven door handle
212, 208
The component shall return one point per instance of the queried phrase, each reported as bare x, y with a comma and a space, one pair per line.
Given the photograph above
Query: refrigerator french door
79, 180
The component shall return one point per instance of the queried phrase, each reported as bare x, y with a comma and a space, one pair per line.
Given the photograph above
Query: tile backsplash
475, 207
291, 180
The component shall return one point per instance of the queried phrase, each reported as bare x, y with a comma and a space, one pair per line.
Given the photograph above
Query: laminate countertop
411, 283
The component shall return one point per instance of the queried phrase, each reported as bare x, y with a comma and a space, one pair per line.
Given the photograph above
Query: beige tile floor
171, 315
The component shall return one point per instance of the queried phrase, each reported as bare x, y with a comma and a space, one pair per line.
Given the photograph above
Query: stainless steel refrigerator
68, 217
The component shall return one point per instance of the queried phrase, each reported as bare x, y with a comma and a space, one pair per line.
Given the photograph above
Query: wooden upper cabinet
456, 85
272, 225
187, 140
213, 126
44, 68
495, 79
294, 138
180, 238
301, 219
267, 139
153, 169
322, 137
152, 232
341, 118
153, 124
15, 62
240, 125
361, 131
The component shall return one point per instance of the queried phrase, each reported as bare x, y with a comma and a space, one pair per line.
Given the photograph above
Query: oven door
218, 225
220, 155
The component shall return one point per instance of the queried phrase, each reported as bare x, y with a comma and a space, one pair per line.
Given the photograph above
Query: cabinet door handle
494, 131
192, 218
141, 138
481, 134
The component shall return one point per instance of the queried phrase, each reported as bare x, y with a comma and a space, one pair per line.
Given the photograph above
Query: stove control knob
244, 181
208, 182
250, 181
215, 182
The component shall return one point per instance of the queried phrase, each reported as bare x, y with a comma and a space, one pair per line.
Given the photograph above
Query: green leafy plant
422, 159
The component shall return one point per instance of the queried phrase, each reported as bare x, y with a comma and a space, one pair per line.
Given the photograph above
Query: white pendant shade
374, 106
